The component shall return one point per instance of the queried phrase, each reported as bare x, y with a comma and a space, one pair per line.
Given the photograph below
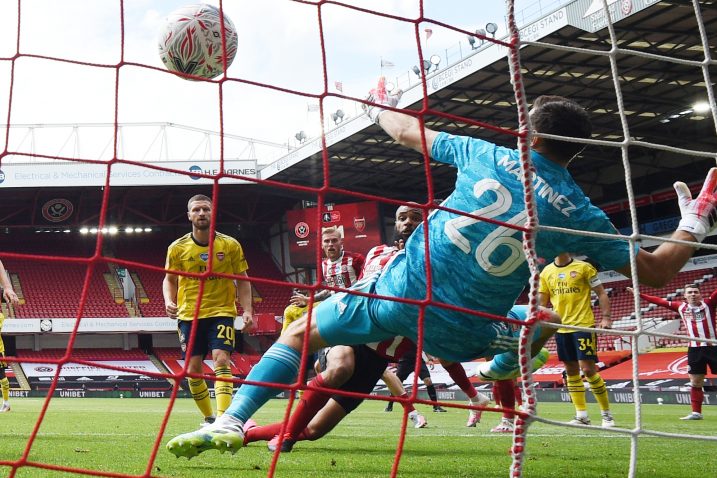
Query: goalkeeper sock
597, 385
200, 394
5, 385
576, 389
223, 388
279, 364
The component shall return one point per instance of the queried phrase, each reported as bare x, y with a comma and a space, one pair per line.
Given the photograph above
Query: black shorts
407, 364
368, 369
576, 346
212, 334
698, 358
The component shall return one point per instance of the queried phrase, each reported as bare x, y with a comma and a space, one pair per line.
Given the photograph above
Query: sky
279, 48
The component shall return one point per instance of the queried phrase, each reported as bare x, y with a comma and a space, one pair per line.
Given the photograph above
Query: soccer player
10, 298
476, 265
339, 269
567, 283
406, 365
698, 317
215, 309
319, 412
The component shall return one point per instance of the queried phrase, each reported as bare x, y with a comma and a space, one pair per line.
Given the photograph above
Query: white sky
279, 46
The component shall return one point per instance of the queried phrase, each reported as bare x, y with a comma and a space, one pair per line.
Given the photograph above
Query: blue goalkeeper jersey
479, 265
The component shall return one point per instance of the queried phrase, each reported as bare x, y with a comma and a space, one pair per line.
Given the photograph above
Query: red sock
496, 394
507, 395
518, 393
696, 397
265, 433
311, 402
408, 406
458, 375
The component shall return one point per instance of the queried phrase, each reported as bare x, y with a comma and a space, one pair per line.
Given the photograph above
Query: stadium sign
90, 324
589, 15
166, 173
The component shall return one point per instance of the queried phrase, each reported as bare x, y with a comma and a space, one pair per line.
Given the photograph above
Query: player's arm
7, 290
656, 268
170, 286
604, 304
668, 304
404, 129
246, 300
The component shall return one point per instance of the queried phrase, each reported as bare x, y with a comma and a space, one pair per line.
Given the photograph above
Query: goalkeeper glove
699, 214
380, 96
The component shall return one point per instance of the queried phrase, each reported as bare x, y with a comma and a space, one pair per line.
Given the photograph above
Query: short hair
198, 197
563, 117
691, 286
332, 230
409, 207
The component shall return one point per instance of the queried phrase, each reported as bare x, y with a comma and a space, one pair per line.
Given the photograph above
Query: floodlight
491, 28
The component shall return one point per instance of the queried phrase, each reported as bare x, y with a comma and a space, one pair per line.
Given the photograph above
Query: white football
190, 41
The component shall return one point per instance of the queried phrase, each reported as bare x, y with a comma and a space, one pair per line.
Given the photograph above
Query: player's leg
195, 365
505, 364
506, 391
459, 377
221, 338
587, 359
425, 375
395, 386
404, 368
4, 386
568, 355
368, 368
341, 318
697, 360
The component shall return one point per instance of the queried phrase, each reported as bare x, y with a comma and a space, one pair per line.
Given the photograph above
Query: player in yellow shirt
567, 283
216, 308
10, 298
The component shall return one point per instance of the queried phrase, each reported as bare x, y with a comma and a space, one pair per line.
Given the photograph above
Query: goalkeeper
475, 265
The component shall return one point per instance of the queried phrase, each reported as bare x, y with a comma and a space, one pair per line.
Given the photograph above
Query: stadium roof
662, 70
571, 62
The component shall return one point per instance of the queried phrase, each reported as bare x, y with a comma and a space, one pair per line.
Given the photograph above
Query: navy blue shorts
215, 333
576, 346
698, 358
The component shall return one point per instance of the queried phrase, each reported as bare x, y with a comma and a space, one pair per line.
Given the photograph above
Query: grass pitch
116, 436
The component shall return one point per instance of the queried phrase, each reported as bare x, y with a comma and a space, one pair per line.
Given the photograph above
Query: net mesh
512, 43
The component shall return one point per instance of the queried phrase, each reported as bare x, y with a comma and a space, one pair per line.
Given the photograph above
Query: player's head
693, 294
407, 220
559, 116
332, 242
199, 211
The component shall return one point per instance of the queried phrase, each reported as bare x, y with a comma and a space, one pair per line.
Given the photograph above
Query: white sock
226, 420
581, 413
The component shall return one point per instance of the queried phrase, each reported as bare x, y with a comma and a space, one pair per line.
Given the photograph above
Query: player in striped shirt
339, 268
698, 317
10, 298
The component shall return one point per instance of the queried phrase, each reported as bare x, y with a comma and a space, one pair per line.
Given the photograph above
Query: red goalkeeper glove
700, 214
380, 97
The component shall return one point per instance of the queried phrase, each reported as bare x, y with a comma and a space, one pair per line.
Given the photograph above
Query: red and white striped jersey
698, 320
343, 271
377, 258
392, 349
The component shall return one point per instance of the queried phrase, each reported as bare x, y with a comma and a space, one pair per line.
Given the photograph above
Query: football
190, 42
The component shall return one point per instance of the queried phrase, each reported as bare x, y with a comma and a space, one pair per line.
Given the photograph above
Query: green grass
116, 436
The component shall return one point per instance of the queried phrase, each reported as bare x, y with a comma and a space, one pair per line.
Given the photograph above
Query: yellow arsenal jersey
569, 289
218, 299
